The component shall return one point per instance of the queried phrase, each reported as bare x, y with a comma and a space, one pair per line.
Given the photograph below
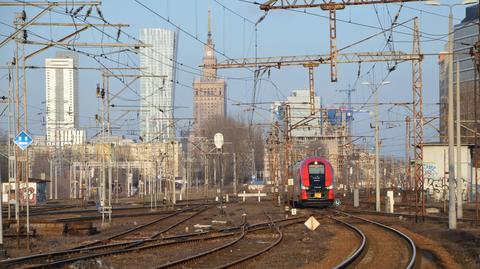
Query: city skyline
240, 43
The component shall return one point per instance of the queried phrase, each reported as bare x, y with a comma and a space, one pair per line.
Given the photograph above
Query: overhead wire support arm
75, 24
310, 67
70, 3
60, 40
280, 61
332, 7
287, 4
25, 25
84, 44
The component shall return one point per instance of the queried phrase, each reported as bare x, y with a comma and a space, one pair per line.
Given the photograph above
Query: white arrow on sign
312, 223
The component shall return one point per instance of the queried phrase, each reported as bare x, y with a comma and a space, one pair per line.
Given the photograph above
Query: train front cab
316, 184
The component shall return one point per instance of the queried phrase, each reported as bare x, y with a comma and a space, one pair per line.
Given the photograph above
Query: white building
157, 94
62, 101
299, 103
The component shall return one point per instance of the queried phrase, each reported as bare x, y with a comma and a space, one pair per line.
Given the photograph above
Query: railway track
61, 258
374, 243
105, 246
407, 215
232, 252
73, 209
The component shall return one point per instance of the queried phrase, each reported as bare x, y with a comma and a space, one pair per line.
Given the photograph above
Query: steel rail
155, 235
357, 253
410, 243
93, 246
127, 246
137, 228
204, 253
176, 240
182, 238
245, 229
436, 218
253, 255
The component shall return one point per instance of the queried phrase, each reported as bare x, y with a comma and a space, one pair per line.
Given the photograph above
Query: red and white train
312, 183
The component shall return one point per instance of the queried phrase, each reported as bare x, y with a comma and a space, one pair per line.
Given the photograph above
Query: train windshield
316, 174
316, 169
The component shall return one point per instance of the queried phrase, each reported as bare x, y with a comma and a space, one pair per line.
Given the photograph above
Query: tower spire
209, 24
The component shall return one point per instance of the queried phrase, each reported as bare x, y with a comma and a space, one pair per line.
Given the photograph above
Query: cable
181, 29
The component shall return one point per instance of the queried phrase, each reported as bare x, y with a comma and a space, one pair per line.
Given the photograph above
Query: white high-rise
61, 77
157, 94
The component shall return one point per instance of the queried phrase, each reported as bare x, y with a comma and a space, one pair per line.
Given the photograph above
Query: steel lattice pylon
417, 123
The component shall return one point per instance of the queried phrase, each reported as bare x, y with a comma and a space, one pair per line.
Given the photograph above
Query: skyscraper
157, 94
465, 34
61, 77
209, 90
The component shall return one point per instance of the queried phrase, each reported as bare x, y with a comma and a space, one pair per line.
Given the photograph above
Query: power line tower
418, 123
346, 148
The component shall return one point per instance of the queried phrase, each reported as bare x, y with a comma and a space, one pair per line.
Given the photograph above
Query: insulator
25, 35
98, 90
78, 10
99, 12
89, 11
24, 15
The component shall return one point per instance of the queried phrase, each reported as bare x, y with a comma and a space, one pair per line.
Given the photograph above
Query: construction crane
332, 7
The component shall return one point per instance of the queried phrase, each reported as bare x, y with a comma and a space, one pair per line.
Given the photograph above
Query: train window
316, 169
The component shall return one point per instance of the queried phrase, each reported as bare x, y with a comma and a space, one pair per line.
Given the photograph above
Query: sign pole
2, 251
218, 141
23, 140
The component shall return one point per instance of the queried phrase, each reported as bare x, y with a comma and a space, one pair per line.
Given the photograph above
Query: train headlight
330, 187
304, 188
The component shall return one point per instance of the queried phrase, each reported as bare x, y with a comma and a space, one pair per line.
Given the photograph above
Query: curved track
358, 255
100, 247
358, 251
199, 260
63, 257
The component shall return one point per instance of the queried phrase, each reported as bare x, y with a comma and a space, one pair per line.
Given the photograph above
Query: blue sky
282, 32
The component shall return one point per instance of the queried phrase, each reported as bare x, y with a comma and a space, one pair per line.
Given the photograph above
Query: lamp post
452, 217
375, 88
218, 141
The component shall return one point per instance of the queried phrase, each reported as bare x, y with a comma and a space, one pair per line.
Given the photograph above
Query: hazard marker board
312, 223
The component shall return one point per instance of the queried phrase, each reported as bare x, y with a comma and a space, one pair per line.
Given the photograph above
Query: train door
316, 172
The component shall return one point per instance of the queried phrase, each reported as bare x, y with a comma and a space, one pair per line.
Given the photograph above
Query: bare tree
245, 140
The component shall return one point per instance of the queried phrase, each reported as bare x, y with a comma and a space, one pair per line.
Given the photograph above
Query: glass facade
157, 93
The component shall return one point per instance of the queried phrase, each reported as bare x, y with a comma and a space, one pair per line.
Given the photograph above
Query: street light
375, 88
452, 217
